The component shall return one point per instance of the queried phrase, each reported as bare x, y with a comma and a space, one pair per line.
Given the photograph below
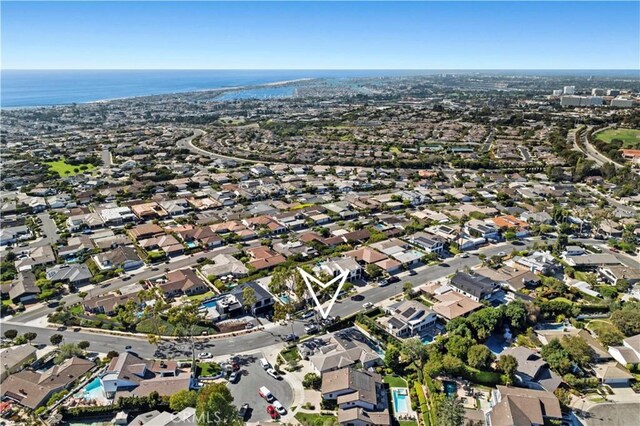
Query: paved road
49, 231
273, 333
107, 159
116, 283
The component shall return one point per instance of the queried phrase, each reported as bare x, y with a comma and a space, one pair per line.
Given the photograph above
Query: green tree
248, 298
610, 336
373, 270
312, 381
450, 412
84, 345
182, 399
508, 364
215, 406
30, 336
516, 314
479, 356
11, 334
556, 356
452, 364
66, 351
578, 349
459, 345
56, 339
392, 358
413, 350
627, 319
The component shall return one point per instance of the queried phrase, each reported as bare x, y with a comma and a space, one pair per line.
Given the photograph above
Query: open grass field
65, 169
630, 137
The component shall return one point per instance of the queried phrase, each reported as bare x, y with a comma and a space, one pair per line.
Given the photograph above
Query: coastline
122, 98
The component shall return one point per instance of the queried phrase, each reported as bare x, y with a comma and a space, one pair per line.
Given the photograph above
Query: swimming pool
93, 391
400, 400
209, 304
450, 388
192, 244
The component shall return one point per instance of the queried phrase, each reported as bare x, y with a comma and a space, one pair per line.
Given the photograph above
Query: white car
273, 373
279, 408
367, 305
205, 355
464, 255
233, 377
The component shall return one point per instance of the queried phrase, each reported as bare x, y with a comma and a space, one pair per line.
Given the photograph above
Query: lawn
65, 169
630, 137
394, 150
77, 309
201, 297
308, 419
408, 423
291, 355
395, 381
208, 369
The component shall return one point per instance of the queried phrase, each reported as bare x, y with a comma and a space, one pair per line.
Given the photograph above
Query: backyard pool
450, 388
93, 391
209, 304
192, 244
426, 339
400, 400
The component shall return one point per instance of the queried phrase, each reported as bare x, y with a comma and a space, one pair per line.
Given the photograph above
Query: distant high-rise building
622, 103
613, 92
597, 92
557, 92
569, 90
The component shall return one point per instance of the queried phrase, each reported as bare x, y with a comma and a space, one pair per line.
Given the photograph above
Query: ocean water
27, 88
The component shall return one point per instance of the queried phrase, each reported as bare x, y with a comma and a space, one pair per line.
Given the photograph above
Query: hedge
424, 408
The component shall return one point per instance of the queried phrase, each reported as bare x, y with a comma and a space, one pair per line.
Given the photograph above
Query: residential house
344, 348
360, 395
182, 282
452, 305
369, 256
613, 274
149, 211
533, 371
225, 265
474, 286
629, 352
428, 242
107, 303
539, 262
166, 243
264, 300
121, 257
144, 231
14, 358
74, 275
24, 289
408, 318
130, 375
612, 374
337, 265
518, 407
32, 389
264, 258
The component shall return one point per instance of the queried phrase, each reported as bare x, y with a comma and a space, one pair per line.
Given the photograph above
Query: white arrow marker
307, 280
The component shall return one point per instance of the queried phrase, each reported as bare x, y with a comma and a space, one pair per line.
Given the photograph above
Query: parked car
205, 355
357, 297
464, 255
393, 280
367, 305
307, 314
279, 408
383, 283
290, 338
273, 373
310, 329
233, 377
244, 410
502, 254
266, 394
272, 412
412, 272
248, 326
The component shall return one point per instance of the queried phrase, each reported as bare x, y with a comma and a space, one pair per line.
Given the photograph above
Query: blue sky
321, 35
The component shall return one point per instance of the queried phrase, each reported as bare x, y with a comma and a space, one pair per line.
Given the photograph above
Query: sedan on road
368, 305
205, 355
273, 373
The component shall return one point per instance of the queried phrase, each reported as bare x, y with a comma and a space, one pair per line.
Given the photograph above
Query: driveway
245, 390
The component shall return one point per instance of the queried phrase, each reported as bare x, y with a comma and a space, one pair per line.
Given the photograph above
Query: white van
266, 394
265, 364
